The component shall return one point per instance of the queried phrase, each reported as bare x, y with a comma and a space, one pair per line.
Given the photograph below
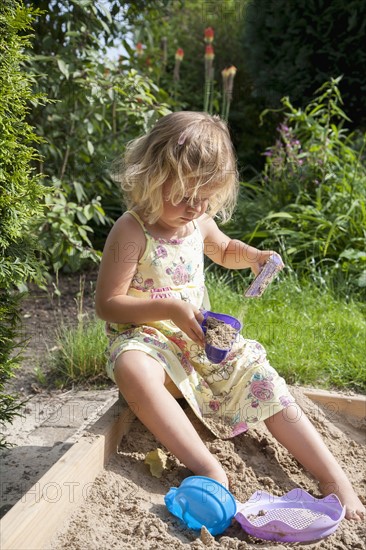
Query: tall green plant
21, 193
97, 105
195, 26
311, 197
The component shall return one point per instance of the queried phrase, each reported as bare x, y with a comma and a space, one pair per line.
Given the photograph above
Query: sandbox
101, 494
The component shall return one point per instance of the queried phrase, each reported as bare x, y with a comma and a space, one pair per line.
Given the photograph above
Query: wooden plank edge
33, 520
354, 405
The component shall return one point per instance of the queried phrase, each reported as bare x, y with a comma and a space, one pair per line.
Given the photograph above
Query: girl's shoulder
127, 232
129, 221
206, 224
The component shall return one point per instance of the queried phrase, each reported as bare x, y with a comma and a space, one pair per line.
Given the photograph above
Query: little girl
151, 290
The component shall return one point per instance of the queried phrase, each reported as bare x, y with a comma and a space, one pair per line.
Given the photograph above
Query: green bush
20, 190
310, 200
96, 105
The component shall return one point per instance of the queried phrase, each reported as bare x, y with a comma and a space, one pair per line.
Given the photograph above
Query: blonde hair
190, 150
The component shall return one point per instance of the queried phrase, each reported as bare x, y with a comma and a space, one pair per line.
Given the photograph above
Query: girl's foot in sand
355, 510
293, 430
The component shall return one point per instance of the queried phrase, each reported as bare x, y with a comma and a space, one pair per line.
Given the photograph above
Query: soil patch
43, 312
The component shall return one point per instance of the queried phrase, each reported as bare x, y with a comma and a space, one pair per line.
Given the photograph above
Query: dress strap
138, 219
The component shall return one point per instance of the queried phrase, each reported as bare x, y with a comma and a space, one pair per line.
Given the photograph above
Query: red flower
179, 54
209, 35
139, 49
209, 52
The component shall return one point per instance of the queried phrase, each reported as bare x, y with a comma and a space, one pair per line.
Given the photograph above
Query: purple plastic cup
214, 354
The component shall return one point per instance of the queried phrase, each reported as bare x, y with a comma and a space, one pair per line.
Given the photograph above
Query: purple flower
161, 252
283, 128
180, 275
262, 389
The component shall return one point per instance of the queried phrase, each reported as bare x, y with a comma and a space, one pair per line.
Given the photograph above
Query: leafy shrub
96, 105
20, 190
311, 197
64, 230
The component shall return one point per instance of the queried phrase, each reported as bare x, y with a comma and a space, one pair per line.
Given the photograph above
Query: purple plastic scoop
215, 354
265, 277
295, 517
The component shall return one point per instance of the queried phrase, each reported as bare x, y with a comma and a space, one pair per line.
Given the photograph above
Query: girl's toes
355, 515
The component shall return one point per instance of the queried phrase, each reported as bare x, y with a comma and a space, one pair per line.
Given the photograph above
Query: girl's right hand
187, 317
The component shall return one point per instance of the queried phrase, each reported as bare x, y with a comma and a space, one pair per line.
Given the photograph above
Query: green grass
80, 356
311, 337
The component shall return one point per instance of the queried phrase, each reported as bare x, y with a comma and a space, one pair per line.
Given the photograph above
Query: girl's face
187, 210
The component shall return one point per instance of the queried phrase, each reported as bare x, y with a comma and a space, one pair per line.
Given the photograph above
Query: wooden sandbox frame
32, 522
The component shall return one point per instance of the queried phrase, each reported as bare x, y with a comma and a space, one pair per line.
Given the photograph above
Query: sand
125, 506
219, 334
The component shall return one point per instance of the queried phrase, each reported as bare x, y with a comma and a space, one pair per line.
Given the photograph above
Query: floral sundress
228, 397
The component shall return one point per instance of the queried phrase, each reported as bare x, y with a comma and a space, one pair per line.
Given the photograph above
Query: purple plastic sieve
295, 517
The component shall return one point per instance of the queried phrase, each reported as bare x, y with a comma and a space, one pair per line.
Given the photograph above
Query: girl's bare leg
293, 430
141, 380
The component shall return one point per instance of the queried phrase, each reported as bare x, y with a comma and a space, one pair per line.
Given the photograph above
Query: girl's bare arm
230, 253
123, 249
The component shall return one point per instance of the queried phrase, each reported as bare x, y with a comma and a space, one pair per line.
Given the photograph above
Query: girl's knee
133, 367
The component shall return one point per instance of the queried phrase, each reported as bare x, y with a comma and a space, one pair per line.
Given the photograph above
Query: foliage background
95, 106
292, 48
98, 104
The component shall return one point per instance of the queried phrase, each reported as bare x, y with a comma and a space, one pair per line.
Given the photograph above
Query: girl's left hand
263, 256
